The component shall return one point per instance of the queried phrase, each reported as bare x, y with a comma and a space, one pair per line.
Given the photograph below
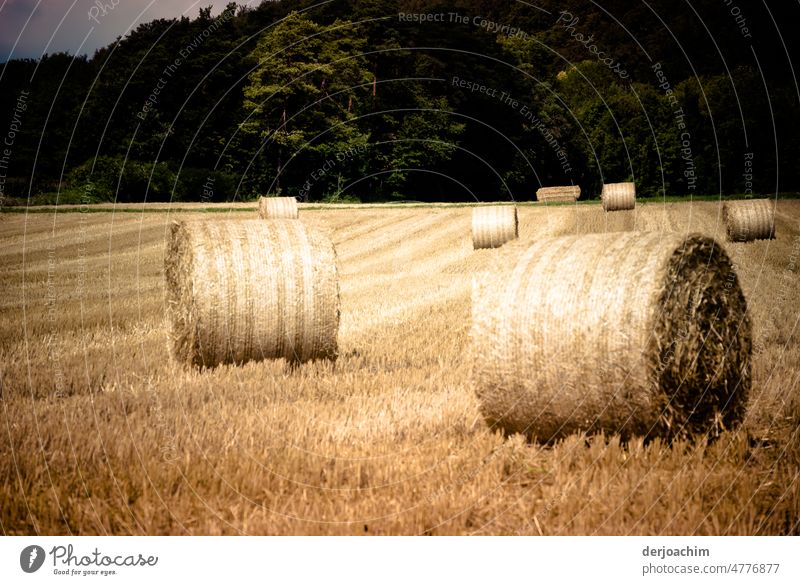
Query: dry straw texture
558, 194
278, 208
636, 334
749, 220
494, 226
251, 290
618, 196
389, 433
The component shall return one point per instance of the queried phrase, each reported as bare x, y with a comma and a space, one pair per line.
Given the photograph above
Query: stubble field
103, 434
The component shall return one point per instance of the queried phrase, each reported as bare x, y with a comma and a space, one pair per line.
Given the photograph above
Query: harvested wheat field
104, 434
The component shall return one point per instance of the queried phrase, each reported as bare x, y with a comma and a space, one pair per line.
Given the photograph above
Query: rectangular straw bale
558, 194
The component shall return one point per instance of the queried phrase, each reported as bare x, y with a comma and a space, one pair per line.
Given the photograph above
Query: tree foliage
349, 99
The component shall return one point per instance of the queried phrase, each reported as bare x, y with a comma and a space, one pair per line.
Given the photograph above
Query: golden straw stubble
632, 333
278, 208
749, 220
618, 196
493, 226
251, 290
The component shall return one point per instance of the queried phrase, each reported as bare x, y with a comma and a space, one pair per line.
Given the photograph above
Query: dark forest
389, 100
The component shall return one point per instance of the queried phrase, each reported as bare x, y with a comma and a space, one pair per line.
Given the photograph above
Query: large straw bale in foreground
494, 226
618, 196
558, 194
278, 208
749, 220
251, 290
637, 334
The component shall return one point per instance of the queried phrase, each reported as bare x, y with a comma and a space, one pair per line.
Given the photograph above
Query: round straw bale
631, 333
749, 220
558, 194
277, 208
494, 226
251, 290
618, 196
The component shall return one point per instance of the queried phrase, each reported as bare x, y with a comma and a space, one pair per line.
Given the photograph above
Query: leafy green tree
303, 100
113, 178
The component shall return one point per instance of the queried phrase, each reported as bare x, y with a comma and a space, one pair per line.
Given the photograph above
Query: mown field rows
103, 433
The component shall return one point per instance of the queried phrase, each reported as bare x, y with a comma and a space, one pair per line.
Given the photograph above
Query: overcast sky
29, 28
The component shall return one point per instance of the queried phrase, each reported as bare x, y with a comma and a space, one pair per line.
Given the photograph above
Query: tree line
377, 100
